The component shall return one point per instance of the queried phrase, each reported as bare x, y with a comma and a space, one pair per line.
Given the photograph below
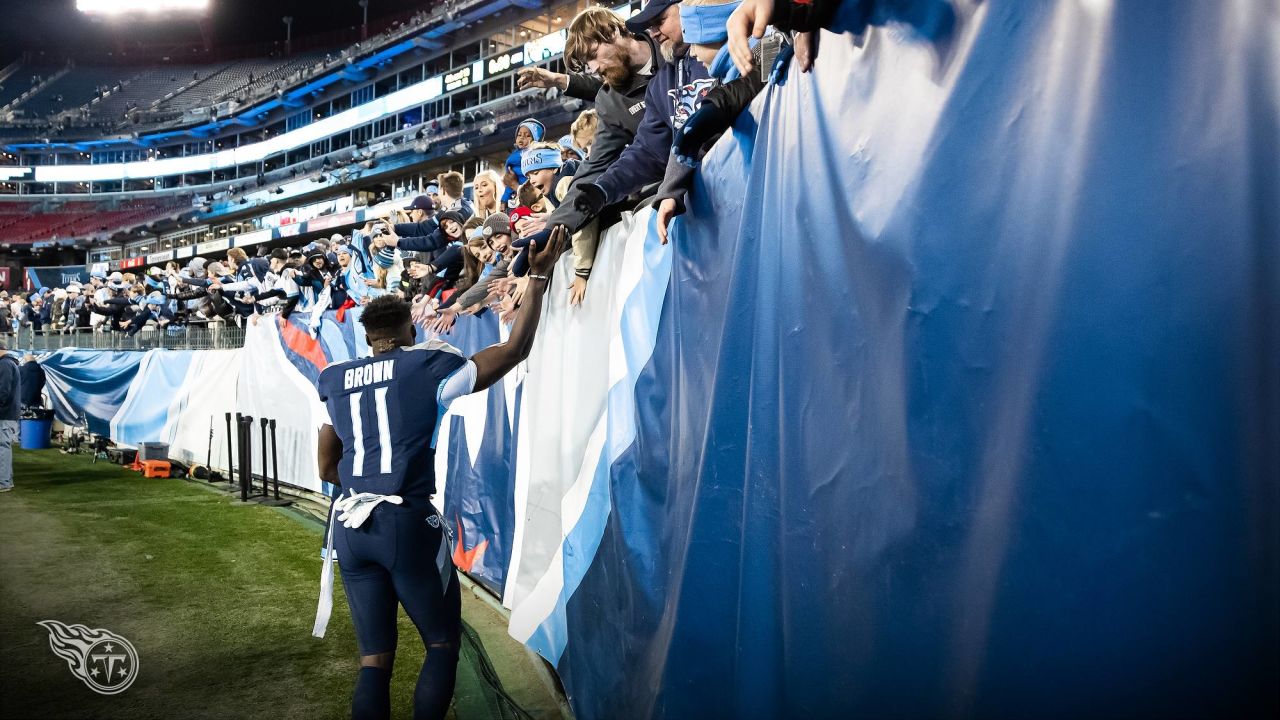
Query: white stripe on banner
571, 365
271, 387
208, 394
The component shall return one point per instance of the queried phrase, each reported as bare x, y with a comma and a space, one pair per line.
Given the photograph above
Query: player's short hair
385, 314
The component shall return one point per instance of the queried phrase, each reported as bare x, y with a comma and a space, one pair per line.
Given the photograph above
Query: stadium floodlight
149, 7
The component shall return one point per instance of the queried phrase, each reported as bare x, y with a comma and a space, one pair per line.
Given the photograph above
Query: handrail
211, 336
11, 68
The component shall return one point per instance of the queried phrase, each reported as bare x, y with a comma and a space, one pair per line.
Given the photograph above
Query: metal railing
214, 336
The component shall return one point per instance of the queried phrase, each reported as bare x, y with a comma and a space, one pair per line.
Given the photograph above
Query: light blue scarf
722, 67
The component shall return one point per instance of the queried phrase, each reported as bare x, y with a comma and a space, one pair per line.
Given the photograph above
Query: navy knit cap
453, 215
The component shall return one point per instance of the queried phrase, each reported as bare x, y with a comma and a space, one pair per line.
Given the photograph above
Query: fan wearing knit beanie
570, 151
528, 132
497, 231
545, 167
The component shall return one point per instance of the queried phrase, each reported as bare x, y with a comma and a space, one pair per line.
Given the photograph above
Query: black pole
265, 491
208, 456
275, 467
231, 471
238, 478
246, 456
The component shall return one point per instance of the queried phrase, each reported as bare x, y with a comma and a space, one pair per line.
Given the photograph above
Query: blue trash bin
34, 434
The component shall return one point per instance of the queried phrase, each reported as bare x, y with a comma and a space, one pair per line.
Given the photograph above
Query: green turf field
218, 598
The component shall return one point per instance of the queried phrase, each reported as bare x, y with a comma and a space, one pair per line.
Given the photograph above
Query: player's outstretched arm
329, 453
495, 361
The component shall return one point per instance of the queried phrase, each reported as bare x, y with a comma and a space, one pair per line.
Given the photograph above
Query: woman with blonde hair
484, 188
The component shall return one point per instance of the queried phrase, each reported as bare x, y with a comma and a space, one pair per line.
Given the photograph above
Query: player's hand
578, 290
590, 200
748, 21
543, 259
536, 77
666, 211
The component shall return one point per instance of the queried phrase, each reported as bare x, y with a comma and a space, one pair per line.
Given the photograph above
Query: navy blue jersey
385, 409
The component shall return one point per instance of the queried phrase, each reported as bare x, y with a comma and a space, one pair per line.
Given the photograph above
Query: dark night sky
56, 24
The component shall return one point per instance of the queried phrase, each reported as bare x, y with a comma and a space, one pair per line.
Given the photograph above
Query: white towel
352, 511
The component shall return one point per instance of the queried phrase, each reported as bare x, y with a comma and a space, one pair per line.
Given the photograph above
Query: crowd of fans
665, 85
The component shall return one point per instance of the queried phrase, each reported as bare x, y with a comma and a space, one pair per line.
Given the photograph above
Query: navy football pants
399, 555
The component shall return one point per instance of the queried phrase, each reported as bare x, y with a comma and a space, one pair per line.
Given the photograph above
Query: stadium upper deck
432, 71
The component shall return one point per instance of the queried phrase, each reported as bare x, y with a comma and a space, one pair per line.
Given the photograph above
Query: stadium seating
145, 87
19, 81
75, 88
174, 88
263, 82
232, 78
24, 223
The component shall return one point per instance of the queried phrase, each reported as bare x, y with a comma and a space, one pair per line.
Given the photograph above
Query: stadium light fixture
149, 7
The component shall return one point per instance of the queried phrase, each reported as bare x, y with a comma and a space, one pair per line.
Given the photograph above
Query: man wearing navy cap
418, 218
661, 20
